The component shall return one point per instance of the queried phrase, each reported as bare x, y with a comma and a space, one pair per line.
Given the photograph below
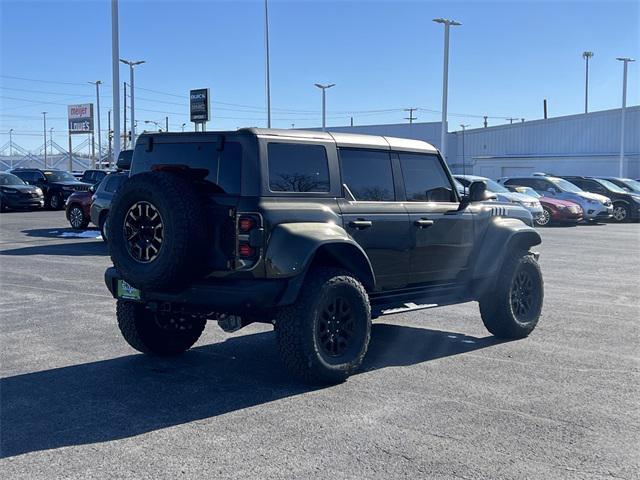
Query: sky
383, 56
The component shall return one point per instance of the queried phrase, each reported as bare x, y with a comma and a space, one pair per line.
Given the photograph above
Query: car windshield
528, 191
632, 184
10, 179
58, 176
610, 186
562, 184
495, 187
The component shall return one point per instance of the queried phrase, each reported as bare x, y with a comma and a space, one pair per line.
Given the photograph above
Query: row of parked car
565, 199
86, 196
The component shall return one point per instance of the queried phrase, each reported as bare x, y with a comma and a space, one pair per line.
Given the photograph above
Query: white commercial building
584, 144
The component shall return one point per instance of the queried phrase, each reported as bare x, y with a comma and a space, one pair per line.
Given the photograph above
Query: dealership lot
438, 398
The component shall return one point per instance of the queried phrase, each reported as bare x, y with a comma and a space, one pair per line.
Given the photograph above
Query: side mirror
124, 160
477, 193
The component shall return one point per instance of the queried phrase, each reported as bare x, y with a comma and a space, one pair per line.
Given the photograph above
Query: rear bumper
232, 296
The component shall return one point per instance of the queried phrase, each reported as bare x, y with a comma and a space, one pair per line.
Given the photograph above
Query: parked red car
555, 210
78, 209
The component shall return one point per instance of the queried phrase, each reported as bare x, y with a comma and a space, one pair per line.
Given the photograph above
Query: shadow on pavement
66, 233
131, 395
68, 249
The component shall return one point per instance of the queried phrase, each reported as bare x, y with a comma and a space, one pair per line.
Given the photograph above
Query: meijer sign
81, 118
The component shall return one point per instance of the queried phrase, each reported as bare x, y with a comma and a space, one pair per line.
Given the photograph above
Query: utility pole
511, 120
324, 102
586, 56
115, 80
352, 121
625, 61
166, 124
51, 141
464, 169
183, 125
486, 124
44, 119
411, 118
109, 135
97, 84
445, 82
268, 74
124, 142
132, 64
11, 144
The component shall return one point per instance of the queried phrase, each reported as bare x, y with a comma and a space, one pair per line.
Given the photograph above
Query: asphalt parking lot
438, 398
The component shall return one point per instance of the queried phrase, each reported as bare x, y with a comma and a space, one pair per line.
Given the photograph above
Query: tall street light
324, 102
44, 120
625, 61
586, 56
115, 80
132, 64
97, 84
268, 76
445, 81
464, 170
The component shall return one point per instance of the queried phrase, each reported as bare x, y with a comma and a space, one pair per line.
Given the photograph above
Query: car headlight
636, 199
560, 207
38, 191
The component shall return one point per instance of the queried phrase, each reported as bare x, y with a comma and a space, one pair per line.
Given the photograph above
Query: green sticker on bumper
126, 291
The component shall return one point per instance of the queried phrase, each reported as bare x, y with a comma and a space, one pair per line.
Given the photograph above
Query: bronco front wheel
513, 308
324, 336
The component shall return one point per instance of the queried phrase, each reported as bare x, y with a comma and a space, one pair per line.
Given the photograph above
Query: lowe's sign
199, 105
80, 118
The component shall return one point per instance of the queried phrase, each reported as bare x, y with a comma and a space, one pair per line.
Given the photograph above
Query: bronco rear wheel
157, 333
157, 232
513, 308
324, 336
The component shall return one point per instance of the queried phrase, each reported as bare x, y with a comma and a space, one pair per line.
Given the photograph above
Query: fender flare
503, 236
294, 247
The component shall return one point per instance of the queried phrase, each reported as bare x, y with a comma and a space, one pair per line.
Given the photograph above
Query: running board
408, 307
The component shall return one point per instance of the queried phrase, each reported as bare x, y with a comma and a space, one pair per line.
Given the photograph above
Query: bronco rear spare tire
156, 231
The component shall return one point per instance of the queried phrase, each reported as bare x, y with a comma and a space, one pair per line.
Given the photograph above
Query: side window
368, 174
424, 178
297, 168
544, 186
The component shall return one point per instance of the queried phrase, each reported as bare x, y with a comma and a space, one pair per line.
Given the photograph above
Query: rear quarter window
297, 168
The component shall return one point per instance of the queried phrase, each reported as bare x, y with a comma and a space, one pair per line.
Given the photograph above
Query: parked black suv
14, 193
93, 176
315, 233
626, 205
56, 185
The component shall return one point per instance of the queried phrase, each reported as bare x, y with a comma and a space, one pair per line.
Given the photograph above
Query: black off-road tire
182, 256
497, 309
82, 221
155, 333
301, 327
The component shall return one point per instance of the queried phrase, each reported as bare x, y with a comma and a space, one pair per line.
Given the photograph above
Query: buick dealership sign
81, 118
199, 105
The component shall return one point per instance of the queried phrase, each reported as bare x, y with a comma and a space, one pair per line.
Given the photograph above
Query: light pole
445, 81
586, 56
115, 80
44, 120
11, 143
97, 84
183, 125
625, 61
268, 76
464, 169
324, 102
132, 64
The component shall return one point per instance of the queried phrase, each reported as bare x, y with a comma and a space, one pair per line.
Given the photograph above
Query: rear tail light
245, 250
250, 237
246, 224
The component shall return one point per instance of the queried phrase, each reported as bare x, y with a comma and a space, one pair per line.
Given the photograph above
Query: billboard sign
80, 118
199, 105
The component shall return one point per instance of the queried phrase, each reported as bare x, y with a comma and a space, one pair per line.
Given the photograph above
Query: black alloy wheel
143, 231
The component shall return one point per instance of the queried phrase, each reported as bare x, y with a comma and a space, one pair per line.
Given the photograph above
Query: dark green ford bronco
315, 233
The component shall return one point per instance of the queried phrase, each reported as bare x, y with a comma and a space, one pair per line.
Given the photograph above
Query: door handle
423, 223
360, 224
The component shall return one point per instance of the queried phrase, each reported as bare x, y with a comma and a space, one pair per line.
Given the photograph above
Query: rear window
220, 167
297, 168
